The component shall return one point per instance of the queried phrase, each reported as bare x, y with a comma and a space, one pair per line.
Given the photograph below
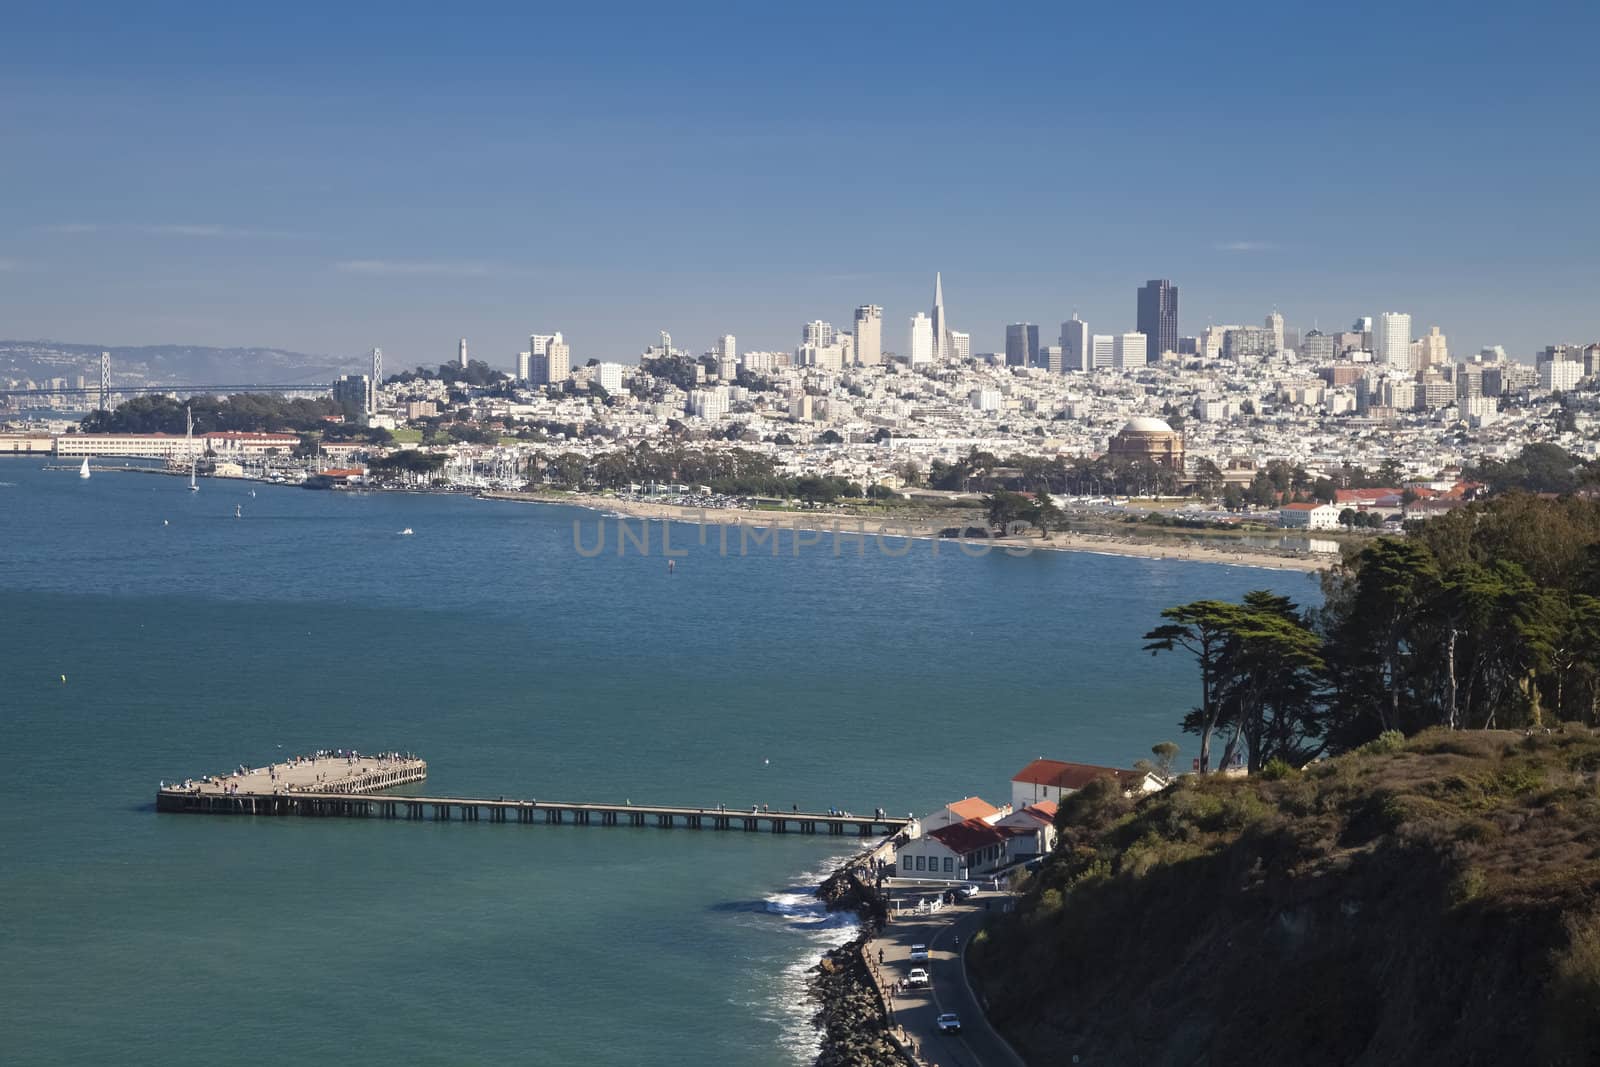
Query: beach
891, 529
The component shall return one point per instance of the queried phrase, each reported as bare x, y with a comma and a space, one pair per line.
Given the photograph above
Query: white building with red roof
955, 852
1051, 779
1032, 830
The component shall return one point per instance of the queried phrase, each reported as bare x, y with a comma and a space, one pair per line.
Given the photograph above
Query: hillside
1422, 901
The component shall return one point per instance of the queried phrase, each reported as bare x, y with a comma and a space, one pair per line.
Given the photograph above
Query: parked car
966, 890
919, 952
949, 1023
917, 977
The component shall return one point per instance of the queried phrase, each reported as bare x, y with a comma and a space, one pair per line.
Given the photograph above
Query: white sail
188, 439
83, 471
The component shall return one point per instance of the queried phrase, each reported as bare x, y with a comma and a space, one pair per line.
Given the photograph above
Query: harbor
346, 784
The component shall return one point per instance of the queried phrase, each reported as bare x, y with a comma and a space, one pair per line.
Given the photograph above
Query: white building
960, 346
560, 360
817, 333
869, 335
1391, 339
1103, 351
1560, 375
956, 852
708, 403
524, 365
1128, 351
920, 351
609, 375
1274, 324
1051, 780
985, 399
1308, 517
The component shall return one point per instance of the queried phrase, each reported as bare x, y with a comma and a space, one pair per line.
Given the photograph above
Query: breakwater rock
855, 1032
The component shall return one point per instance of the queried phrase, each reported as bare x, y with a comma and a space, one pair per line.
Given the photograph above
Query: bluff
1435, 900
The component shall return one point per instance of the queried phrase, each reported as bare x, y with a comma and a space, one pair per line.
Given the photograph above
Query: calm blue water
515, 667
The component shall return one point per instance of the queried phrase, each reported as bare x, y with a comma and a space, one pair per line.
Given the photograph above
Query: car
919, 952
966, 890
949, 1023
917, 977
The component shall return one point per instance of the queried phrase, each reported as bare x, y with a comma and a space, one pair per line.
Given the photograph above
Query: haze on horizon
327, 182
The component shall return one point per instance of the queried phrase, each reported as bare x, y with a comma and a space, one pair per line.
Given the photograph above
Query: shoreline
846, 525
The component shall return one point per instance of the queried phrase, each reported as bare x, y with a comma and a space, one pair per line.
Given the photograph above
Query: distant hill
162, 364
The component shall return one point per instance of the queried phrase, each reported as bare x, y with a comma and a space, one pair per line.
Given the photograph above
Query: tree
1165, 753
1347, 517
1202, 628
1046, 515
1004, 507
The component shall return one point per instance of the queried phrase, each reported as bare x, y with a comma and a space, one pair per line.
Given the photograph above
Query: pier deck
346, 787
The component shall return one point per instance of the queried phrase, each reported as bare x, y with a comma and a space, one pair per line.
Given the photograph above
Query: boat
238, 511
188, 440
406, 532
83, 471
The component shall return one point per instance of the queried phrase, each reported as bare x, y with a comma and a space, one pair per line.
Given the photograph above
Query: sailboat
83, 471
188, 440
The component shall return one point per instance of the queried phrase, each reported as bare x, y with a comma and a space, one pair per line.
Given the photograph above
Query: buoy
63, 679
163, 522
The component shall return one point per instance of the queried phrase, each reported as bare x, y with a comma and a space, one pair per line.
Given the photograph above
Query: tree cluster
1486, 617
241, 412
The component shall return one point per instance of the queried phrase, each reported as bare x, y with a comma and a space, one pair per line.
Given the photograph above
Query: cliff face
1431, 902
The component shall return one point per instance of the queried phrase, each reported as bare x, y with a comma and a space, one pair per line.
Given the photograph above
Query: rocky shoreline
850, 1014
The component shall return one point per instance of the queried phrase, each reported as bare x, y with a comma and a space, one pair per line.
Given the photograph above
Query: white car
917, 977
919, 953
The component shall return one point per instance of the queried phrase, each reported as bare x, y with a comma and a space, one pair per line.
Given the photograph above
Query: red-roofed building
1308, 517
955, 852
1050, 780
961, 810
1032, 830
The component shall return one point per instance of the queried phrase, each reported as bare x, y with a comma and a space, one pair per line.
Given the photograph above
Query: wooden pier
305, 789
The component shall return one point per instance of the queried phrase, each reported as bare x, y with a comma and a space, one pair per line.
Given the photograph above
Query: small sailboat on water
238, 511
188, 438
83, 471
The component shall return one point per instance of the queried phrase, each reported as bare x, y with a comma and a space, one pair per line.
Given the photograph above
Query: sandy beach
842, 531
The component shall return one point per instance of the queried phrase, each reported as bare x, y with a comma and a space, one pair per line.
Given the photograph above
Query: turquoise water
515, 666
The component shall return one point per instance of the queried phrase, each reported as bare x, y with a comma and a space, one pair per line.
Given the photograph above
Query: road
946, 933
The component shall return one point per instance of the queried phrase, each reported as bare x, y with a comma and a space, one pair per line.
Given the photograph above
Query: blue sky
329, 177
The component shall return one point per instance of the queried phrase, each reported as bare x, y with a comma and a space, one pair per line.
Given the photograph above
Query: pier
349, 787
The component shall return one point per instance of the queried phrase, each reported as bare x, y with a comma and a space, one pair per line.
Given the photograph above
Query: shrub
1385, 743
1278, 769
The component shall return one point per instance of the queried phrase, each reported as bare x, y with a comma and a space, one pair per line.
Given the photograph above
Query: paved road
978, 1045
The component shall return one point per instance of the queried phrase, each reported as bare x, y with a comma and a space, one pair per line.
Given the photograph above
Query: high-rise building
461, 354
1392, 339
1051, 358
353, 392
920, 351
1274, 324
1435, 351
1076, 354
941, 328
1317, 347
1560, 375
960, 346
1022, 345
537, 343
524, 365
609, 375
817, 333
1158, 316
727, 347
1102, 351
1128, 351
560, 359
869, 335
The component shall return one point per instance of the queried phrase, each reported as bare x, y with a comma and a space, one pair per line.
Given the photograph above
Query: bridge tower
105, 381
377, 380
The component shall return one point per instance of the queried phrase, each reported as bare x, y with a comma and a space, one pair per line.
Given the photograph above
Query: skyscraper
920, 352
1158, 316
960, 346
1391, 339
1128, 351
1102, 347
941, 328
869, 335
817, 333
1435, 350
1075, 352
559, 356
1274, 323
1022, 345
524, 365
461, 353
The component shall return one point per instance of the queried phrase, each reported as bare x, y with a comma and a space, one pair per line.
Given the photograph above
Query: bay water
148, 633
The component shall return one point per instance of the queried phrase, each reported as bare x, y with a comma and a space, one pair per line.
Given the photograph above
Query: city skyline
245, 184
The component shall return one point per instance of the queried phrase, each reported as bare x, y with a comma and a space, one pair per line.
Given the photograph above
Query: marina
345, 785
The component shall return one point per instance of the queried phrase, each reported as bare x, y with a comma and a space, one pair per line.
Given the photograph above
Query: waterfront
485, 643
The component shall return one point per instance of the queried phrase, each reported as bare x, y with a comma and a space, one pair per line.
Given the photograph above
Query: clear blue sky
328, 177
